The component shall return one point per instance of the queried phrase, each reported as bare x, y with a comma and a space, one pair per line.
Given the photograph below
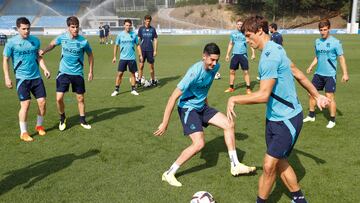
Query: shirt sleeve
339, 50
136, 39
269, 66
187, 80
117, 41
58, 40
155, 33
7, 49
87, 48
140, 32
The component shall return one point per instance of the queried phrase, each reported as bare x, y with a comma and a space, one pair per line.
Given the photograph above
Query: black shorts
131, 64
239, 59
34, 86
101, 34
327, 82
63, 82
281, 136
148, 56
194, 120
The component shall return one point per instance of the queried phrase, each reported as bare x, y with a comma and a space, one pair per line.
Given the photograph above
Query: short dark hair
274, 26
254, 23
127, 21
22, 20
148, 17
72, 20
211, 48
324, 23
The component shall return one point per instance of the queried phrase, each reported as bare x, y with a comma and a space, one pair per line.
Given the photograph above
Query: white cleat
242, 169
330, 124
309, 119
170, 178
134, 92
115, 93
62, 126
86, 126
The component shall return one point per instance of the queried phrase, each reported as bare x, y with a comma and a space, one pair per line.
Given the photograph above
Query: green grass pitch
119, 160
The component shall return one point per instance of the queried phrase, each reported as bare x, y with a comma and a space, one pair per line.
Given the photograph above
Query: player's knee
199, 145
269, 169
80, 98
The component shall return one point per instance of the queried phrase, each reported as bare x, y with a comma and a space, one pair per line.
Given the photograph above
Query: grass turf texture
119, 160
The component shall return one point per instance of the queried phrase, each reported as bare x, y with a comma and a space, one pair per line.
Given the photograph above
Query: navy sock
82, 119
133, 88
332, 118
248, 87
62, 117
259, 200
298, 197
312, 114
232, 86
117, 87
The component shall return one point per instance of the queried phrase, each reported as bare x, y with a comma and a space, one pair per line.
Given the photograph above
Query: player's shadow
98, 116
300, 171
243, 84
161, 83
210, 153
326, 113
36, 172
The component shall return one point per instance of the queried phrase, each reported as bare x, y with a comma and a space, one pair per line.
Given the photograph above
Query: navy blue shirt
277, 38
147, 36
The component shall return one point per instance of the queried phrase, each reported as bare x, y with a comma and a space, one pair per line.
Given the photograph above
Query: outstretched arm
312, 65
168, 110
343, 65
51, 46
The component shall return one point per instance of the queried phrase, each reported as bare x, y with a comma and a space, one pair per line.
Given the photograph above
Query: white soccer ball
202, 197
217, 76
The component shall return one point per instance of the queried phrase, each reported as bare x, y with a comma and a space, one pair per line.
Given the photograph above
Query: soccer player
107, 32
284, 112
327, 50
195, 114
239, 56
101, 34
126, 39
275, 35
71, 69
23, 50
148, 42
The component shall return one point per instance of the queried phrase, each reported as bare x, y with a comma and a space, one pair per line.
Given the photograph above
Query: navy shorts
77, 82
131, 64
101, 34
281, 136
194, 120
148, 56
35, 87
241, 59
327, 82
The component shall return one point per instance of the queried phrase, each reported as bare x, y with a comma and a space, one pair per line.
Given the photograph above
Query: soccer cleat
248, 91
258, 78
86, 125
62, 125
41, 130
115, 93
26, 137
134, 92
229, 89
241, 169
308, 118
170, 178
331, 124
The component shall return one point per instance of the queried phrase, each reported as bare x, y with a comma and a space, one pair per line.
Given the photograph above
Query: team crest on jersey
78, 45
32, 43
328, 45
267, 53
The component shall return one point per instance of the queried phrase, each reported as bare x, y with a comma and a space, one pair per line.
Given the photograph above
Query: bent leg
267, 178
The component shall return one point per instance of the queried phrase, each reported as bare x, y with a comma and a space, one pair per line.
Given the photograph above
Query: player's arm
321, 100
260, 96
155, 41
230, 46
139, 52
312, 65
43, 67
343, 65
50, 47
8, 81
116, 47
167, 113
252, 53
91, 65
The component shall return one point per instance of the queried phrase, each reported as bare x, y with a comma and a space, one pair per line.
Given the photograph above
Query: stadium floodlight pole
354, 25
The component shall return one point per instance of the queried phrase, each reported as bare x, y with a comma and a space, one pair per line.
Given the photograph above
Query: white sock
233, 158
23, 127
173, 168
39, 120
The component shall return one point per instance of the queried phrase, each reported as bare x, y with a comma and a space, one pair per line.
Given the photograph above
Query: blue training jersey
277, 38
239, 41
327, 51
283, 103
127, 42
147, 36
195, 86
72, 53
24, 56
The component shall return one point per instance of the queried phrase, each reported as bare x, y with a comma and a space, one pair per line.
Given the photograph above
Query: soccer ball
202, 197
217, 76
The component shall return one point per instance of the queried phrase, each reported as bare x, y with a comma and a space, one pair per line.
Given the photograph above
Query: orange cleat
26, 137
229, 89
41, 130
248, 91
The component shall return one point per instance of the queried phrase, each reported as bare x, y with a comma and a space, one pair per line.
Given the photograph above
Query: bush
202, 13
189, 12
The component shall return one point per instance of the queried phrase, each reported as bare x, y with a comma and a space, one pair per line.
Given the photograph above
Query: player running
327, 50
195, 114
126, 40
239, 57
148, 42
71, 69
284, 112
23, 50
